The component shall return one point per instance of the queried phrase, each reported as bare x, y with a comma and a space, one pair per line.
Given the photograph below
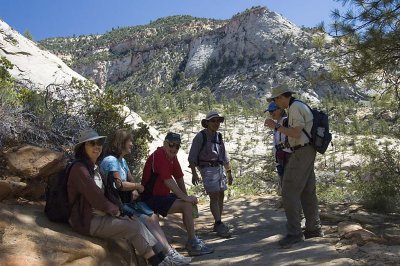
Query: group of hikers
162, 189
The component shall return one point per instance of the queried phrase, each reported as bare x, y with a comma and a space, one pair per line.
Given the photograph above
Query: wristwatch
277, 126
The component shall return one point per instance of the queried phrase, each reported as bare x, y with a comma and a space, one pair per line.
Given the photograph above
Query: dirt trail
28, 238
257, 226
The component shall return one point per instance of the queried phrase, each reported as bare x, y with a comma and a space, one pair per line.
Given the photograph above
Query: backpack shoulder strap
204, 138
297, 100
203, 144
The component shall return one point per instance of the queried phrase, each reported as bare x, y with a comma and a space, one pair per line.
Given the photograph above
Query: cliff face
33, 67
246, 55
258, 50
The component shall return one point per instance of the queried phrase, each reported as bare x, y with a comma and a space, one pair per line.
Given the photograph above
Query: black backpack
57, 208
320, 136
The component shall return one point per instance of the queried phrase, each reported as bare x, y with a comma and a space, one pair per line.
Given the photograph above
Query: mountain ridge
244, 56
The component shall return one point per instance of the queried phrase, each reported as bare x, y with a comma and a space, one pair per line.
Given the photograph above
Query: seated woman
119, 145
92, 213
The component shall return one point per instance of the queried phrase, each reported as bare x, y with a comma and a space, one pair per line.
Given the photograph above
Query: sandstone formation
33, 67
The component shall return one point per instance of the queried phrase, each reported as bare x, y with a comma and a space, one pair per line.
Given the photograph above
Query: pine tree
371, 31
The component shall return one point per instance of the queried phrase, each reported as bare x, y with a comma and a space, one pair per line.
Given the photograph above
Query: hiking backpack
57, 208
320, 137
204, 141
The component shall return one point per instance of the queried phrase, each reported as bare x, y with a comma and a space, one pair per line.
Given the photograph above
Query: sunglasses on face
174, 145
98, 142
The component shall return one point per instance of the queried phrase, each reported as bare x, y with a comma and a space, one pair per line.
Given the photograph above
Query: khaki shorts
214, 179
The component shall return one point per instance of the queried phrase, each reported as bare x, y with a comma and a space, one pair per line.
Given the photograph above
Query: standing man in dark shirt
208, 154
298, 184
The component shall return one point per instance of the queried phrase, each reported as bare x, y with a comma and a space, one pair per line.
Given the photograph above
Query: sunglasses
174, 145
98, 142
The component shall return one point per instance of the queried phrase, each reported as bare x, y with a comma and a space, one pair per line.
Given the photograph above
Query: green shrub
334, 191
378, 181
7, 92
140, 150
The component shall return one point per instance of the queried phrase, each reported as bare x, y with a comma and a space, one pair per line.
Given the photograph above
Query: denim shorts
214, 179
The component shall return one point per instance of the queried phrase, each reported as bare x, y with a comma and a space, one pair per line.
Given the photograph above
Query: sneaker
314, 233
177, 258
289, 240
167, 262
222, 230
196, 247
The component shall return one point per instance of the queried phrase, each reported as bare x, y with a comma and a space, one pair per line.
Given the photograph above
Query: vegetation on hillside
54, 118
161, 33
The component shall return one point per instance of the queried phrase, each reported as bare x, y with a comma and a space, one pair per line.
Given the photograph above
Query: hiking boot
196, 247
177, 258
222, 230
314, 233
289, 240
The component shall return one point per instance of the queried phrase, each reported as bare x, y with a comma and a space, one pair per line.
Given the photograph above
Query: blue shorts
161, 204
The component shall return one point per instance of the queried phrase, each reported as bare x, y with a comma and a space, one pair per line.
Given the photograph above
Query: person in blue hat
281, 149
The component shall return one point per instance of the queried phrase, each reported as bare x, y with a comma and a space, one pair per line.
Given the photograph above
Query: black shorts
161, 204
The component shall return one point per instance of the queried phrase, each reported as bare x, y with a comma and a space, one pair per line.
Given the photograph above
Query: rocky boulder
32, 162
28, 238
26, 172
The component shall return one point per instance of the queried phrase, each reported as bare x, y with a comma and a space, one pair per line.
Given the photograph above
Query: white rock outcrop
33, 66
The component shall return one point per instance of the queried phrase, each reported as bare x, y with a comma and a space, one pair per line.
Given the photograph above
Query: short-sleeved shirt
164, 168
213, 150
300, 116
112, 164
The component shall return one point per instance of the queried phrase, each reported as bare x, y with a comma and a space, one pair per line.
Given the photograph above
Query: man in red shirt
162, 174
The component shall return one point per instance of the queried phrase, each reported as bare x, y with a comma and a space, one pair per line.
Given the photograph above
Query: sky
62, 18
